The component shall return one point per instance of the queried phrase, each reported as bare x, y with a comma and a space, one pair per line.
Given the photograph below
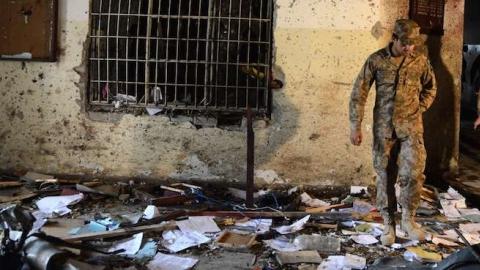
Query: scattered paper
147, 252
324, 244
332, 263
449, 209
58, 204
364, 239
151, 212
132, 218
358, 190
472, 238
259, 226
198, 224
443, 242
126, 98
470, 227
176, 241
130, 245
153, 111
309, 201
421, 255
450, 235
455, 194
168, 262
362, 207
282, 243
355, 262
40, 220
410, 243
471, 214
308, 256
295, 227
89, 228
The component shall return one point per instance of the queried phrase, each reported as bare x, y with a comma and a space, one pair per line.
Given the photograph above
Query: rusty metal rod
250, 158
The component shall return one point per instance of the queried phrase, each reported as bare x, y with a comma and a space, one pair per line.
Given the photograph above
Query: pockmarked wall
320, 46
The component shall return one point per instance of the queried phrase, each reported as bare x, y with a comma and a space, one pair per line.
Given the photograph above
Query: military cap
408, 32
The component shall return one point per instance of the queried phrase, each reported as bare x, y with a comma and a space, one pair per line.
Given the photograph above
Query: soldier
405, 88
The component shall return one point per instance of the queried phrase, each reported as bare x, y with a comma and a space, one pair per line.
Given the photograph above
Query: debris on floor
51, 223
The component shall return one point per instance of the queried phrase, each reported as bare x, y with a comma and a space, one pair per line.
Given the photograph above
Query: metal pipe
42, 255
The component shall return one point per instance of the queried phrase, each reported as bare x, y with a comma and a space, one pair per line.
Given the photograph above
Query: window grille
429, 15
197, 55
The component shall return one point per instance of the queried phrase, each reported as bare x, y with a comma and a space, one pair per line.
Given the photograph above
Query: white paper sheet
358, 189
309, 201
355, 262
410, 243
261, 226
153, 111
444, 242
131, 245
469, 211
364, 239
58, 204
349, 261
449, 209
332, 263
470, 227
176, 241
282, 243
133, 218
151, 212
198, 224
170, 262
40, 220
295, 227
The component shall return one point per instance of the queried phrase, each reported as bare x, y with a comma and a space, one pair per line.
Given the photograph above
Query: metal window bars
199, 55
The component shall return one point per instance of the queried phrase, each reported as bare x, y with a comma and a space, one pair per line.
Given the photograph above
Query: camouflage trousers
402, 158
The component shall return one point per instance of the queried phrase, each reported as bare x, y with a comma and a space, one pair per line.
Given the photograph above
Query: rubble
90, 225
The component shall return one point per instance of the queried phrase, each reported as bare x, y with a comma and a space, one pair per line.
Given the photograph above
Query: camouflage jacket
403, 93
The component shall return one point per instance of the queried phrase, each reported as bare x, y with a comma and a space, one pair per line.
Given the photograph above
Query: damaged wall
320, 47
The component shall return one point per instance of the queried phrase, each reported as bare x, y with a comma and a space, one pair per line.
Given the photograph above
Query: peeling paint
194, 168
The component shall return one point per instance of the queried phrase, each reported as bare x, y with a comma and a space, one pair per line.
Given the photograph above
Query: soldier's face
403, 49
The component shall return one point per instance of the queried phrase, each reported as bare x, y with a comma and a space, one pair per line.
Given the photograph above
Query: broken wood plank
4, 199
252, 214
10, 184
173, 189
169, 200
323, 209
120, 232
186, 185
322, 226
161, 201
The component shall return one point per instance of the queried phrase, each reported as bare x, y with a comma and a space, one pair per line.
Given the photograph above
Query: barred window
194, 55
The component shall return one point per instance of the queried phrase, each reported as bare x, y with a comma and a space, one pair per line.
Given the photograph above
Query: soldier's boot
410, 227
388, 235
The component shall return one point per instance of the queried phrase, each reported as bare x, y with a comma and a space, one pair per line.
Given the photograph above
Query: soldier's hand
477, 123
356, 137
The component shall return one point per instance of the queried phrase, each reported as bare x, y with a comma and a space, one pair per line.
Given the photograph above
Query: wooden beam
120, 232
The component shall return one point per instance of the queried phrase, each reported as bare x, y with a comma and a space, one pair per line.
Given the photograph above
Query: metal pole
250, 158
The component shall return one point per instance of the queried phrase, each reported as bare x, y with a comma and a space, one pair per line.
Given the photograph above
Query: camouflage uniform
403, 93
